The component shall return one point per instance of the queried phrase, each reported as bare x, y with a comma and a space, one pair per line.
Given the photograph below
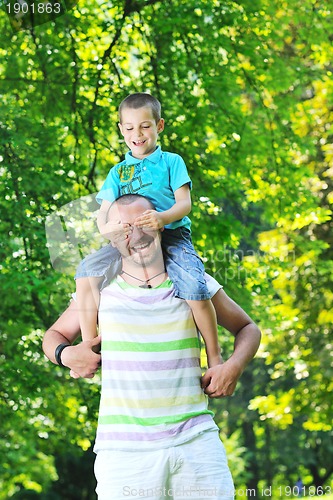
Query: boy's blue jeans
184, 266
105, 263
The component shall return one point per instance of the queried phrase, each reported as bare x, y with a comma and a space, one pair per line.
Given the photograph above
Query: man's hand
221, 380
83, 359
150, 219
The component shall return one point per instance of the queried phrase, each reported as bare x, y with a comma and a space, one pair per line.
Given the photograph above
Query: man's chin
143, 257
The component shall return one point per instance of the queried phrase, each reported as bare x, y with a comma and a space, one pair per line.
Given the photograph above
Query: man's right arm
221, 380
80, 358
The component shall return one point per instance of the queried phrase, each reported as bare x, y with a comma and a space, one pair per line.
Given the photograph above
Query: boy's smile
140, 130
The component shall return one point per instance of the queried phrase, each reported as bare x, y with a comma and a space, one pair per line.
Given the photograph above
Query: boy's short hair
142, 100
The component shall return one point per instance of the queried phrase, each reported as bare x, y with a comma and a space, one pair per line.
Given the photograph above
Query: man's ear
160, 125
120, 128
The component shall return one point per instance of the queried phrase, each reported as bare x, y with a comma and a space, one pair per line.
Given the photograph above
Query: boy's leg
187, 273
87, 296
93, 272
205, 318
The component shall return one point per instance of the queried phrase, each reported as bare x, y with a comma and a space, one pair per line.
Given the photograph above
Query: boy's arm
157, 220
102, 217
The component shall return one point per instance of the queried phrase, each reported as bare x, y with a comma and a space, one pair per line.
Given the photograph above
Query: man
156, 437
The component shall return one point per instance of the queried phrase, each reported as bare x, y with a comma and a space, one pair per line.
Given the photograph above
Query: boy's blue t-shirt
157, 177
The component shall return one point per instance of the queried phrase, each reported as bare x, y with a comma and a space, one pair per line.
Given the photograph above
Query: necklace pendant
145, 286
145, 282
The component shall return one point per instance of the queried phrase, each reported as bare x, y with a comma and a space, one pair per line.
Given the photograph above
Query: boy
162, 177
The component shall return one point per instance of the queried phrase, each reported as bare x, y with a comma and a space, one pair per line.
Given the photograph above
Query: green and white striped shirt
151, 395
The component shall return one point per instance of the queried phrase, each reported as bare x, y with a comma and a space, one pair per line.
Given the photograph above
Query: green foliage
246, 89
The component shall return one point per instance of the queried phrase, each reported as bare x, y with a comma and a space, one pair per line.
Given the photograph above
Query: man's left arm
221, 380
81, 358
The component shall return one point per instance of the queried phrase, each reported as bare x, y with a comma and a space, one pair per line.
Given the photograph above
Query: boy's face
140, 131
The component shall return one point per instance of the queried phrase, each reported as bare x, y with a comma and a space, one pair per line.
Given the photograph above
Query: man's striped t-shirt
151, 395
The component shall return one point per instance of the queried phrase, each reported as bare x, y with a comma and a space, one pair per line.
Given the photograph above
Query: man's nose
136, 234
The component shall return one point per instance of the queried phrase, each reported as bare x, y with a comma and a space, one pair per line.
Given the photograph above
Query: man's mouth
140, 247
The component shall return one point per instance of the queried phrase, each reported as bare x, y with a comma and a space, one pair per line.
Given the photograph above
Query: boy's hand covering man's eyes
115, 231
150, 219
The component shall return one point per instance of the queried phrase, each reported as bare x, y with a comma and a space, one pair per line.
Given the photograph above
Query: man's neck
145, 276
